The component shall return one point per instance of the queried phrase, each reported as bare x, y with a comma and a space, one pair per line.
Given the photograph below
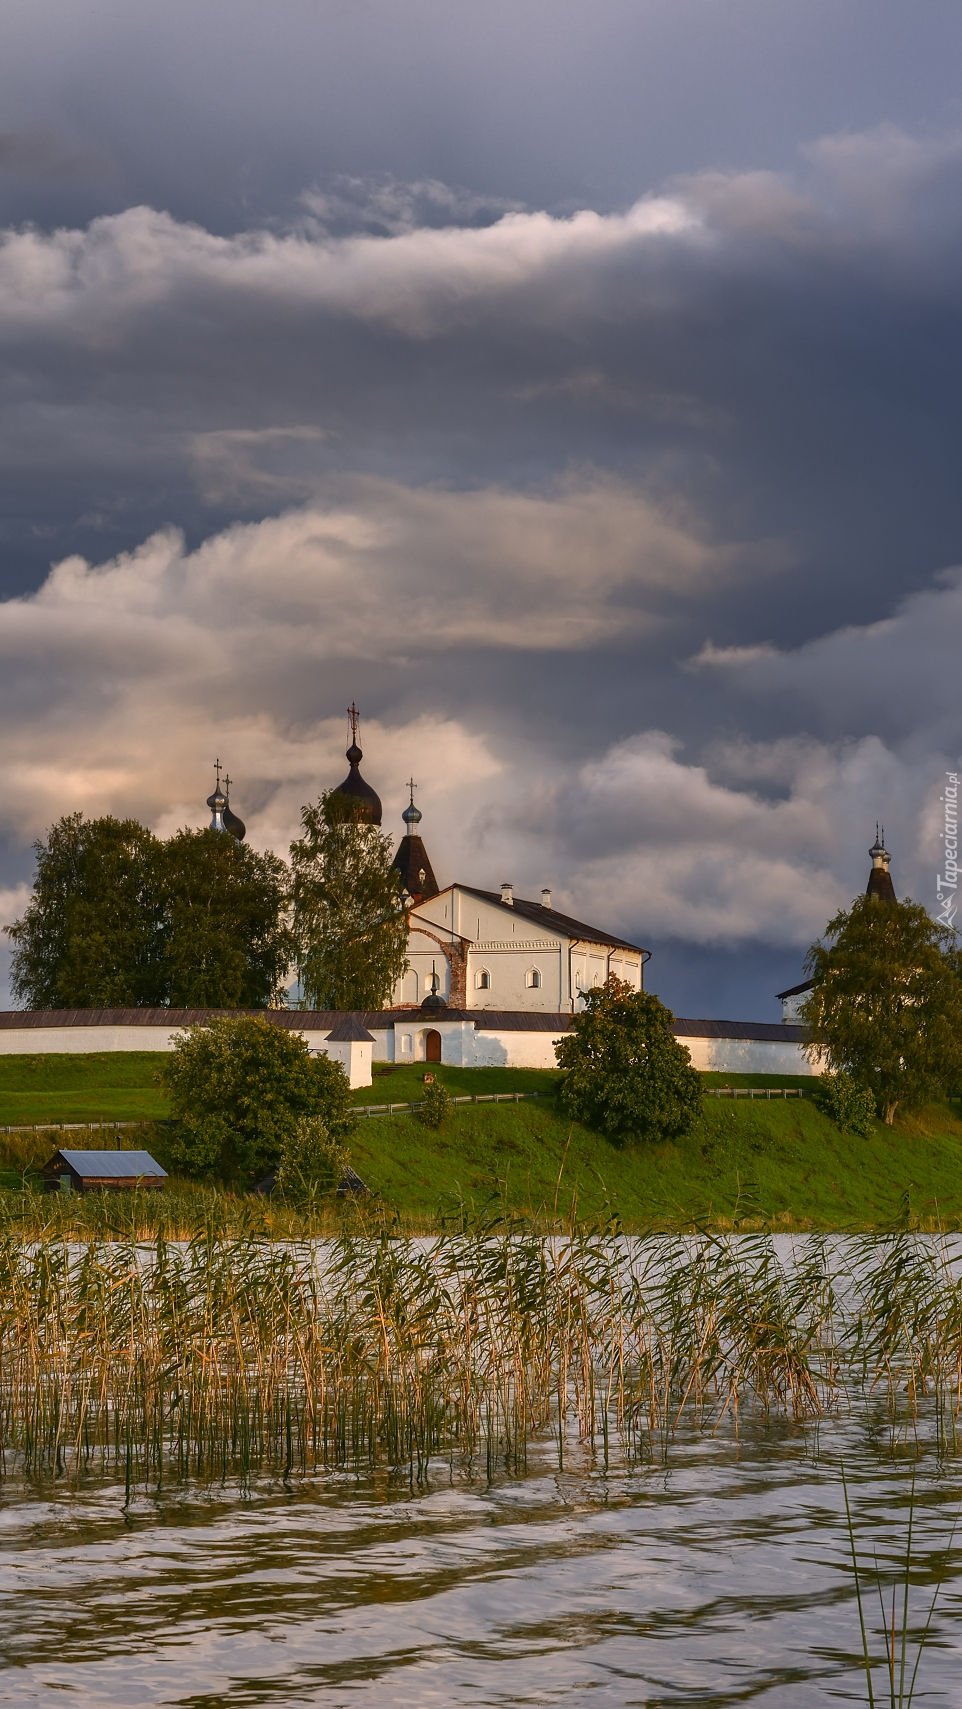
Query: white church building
481, 950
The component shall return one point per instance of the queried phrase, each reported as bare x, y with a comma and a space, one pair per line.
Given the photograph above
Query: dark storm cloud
625, 511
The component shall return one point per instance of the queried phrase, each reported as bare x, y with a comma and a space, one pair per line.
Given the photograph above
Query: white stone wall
515, 1050
747, 1056
461, 1046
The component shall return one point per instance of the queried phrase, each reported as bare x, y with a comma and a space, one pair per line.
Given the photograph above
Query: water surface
719, 1578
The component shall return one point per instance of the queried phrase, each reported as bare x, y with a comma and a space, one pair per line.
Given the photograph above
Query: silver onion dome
217, 802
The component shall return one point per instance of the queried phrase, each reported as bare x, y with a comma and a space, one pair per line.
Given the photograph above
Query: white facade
504, 954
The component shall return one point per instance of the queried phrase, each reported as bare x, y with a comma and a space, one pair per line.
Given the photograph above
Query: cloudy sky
577, 386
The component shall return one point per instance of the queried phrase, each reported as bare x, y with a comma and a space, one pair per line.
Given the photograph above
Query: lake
690, 1549
720, 1578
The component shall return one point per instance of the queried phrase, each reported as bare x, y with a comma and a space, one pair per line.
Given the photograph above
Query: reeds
229, 1355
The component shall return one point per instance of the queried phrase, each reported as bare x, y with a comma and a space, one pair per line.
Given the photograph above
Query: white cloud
121, 680
87, 284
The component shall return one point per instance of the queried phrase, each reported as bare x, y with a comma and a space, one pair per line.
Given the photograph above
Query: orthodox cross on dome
411, 815
353, 718
217, 771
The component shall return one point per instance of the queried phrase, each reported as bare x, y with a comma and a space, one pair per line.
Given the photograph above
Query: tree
93, 933
625, 1072
886, 1003
312, 1163
848, 1104
228, 944
238, 1088
119, 919
349, 915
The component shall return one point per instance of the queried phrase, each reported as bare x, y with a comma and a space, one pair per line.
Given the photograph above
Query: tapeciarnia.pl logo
947, 882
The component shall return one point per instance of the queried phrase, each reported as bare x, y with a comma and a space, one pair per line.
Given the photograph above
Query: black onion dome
235, 826
358, 792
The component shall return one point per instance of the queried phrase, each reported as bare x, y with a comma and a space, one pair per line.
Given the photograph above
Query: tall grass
231, 1354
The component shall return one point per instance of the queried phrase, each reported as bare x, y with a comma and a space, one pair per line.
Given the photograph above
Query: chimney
507, 895
546, 898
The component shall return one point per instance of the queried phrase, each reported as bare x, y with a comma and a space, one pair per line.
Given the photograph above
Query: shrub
848, 1104
238, 1088
435, 1104
312, 1163
626, 1074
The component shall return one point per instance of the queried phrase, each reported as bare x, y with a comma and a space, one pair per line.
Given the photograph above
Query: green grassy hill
776, 1161
110, 1086
745, 1161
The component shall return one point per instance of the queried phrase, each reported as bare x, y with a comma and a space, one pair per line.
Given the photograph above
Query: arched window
533, 978
482, 980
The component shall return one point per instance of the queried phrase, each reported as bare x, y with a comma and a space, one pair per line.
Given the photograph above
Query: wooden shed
85, 1171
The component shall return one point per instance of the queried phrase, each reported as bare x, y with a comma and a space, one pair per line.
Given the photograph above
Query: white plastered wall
747, 1056
354, 1054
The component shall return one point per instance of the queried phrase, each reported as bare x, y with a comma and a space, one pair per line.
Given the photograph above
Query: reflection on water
720, 1578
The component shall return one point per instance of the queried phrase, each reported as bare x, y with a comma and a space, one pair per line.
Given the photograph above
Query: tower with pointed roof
880, 879
411, 860
879, 887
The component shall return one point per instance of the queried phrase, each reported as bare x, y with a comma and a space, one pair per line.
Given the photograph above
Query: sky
574, 386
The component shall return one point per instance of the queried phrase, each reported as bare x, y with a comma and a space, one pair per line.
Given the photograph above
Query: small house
85, 1171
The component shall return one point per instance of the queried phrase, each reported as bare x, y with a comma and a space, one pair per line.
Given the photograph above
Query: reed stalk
235, 1353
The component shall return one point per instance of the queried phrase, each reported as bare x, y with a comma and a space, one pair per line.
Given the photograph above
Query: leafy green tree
625, 1072
312, 1163
850, 1106
228, 944
93, 933
349, 917
886, 1003
119, 919
238, 1088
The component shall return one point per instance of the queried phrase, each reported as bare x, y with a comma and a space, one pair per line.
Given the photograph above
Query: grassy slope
782, 1158
110, 1085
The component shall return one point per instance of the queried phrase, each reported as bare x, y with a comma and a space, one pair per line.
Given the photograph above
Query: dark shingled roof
350, 1024
410, 861
539, 915
880, 885
349, 1029
763, 1032
110, 1165
294, 1020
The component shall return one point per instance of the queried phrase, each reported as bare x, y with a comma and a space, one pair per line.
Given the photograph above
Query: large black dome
368, 802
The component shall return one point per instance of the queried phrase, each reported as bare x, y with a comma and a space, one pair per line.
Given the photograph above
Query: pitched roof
539, 915
794, 990
349, 1028
109, 1165
410, 861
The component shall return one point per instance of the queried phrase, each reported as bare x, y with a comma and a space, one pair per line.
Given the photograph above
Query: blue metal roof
110, 1164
